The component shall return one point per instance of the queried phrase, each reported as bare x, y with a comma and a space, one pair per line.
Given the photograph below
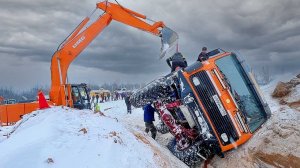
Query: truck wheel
191, 155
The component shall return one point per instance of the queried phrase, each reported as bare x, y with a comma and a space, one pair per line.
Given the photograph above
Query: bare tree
266, 74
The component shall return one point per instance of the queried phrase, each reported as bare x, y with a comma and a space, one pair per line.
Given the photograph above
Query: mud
282, 89
159, 156
295, 104
277, 160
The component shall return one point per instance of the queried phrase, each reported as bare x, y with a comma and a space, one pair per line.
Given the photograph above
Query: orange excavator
76, 95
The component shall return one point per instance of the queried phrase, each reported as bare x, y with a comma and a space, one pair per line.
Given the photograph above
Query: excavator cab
78, 96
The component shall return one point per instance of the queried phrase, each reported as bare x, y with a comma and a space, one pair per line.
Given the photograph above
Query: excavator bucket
168, 40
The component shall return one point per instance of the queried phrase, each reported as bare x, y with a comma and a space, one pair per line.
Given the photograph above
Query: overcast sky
266, 33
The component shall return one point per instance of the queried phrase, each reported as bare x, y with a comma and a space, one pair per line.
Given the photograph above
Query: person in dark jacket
177, 61
148, 119
97, 98
128, 104
203, 55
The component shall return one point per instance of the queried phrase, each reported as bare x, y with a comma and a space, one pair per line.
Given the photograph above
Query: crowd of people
119, 95
100, 98
109, 96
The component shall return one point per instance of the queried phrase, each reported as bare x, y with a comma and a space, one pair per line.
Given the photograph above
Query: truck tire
191, 155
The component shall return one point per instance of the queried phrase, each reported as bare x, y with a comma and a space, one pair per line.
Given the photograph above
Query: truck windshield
242, 91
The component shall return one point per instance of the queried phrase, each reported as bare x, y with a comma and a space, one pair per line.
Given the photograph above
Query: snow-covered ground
63, 137
133, 121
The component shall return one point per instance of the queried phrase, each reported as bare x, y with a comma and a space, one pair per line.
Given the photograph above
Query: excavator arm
82, 37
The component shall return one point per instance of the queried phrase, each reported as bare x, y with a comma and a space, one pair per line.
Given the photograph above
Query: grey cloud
267, 33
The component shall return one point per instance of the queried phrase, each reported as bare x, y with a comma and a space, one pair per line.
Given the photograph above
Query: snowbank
135, 123
62, 137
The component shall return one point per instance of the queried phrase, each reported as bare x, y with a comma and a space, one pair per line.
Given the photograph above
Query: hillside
62, 137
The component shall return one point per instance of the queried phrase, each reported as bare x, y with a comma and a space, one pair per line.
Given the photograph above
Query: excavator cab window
80, 97
75, 96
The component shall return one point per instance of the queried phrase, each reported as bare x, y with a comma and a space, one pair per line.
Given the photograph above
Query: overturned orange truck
209, 107
76, 95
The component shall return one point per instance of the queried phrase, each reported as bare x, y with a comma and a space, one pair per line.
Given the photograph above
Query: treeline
31, 94
8, 93
115, 86
262, 75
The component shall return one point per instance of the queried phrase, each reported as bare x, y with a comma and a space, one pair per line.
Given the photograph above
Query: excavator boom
81, 38
76, 95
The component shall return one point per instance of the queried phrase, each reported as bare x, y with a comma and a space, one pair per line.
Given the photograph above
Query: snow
135, 123
56, 137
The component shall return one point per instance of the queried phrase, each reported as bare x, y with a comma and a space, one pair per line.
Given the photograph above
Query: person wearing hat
177, 61
203, 55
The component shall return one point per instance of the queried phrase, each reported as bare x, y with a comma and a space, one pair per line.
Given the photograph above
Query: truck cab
227, 95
